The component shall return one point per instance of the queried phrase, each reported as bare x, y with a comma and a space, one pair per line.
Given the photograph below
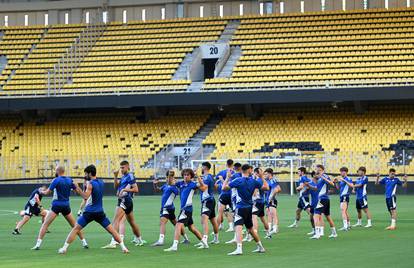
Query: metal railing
114, 91
62, 72
257, 86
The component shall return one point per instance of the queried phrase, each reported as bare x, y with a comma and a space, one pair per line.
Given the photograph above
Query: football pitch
359, 247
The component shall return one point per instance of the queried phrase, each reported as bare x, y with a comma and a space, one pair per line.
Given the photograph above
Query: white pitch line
8, 212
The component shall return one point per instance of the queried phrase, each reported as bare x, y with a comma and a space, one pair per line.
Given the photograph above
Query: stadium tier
345, 138
144, 54
137, 55
331, 48
31, 149
323, 48
335, 137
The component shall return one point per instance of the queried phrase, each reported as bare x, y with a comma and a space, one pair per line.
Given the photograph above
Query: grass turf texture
360, 247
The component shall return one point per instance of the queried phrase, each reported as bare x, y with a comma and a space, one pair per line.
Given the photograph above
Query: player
233, 194
323, 206
93, 211
61, 187
126, 188
167, 213
185, 219
361, 202
83, 202
303, 203
245, 187
271, 202
258, 210
314, 194
33, 207
208, 205
344, 192
391, 182
225, 203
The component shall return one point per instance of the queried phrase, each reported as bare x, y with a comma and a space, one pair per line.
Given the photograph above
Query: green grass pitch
290, 248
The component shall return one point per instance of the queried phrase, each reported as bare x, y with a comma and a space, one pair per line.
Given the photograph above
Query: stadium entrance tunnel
209, 67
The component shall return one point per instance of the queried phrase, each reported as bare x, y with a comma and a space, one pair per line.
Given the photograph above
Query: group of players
245, 196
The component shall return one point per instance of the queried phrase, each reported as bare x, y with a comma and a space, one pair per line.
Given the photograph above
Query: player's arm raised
201, 184
88, 191
219, 178
336, 181
350, 184
116, 181
265, 186
300, 187
405, 184
377, 180
226, 184
328, 181
48, 191
133, 188
155, 185
276, 190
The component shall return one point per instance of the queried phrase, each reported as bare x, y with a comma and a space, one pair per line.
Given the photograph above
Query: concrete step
227, 70
195, 86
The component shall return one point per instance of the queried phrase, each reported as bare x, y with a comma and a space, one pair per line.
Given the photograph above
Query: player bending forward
93, 210
33, 208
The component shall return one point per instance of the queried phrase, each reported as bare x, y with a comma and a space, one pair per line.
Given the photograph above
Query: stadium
281, 117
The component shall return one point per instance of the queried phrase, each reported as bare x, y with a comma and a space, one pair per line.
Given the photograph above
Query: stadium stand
278, 51
31, 149
118, 60
148, 61
375, 137
16, 44
323, 48
31, 72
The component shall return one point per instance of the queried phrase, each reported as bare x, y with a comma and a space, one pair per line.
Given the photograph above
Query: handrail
63, 70
161, 90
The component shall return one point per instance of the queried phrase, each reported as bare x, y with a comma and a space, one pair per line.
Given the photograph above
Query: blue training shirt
305, 191
323, 187
245, 187
223, 174
314, 194
219, 184
169, 192
186, 194
94, 202
126, 180
233, 191
259, 196
344, 189
273, 183
61, 188
390, 186
209, 193
361, 192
